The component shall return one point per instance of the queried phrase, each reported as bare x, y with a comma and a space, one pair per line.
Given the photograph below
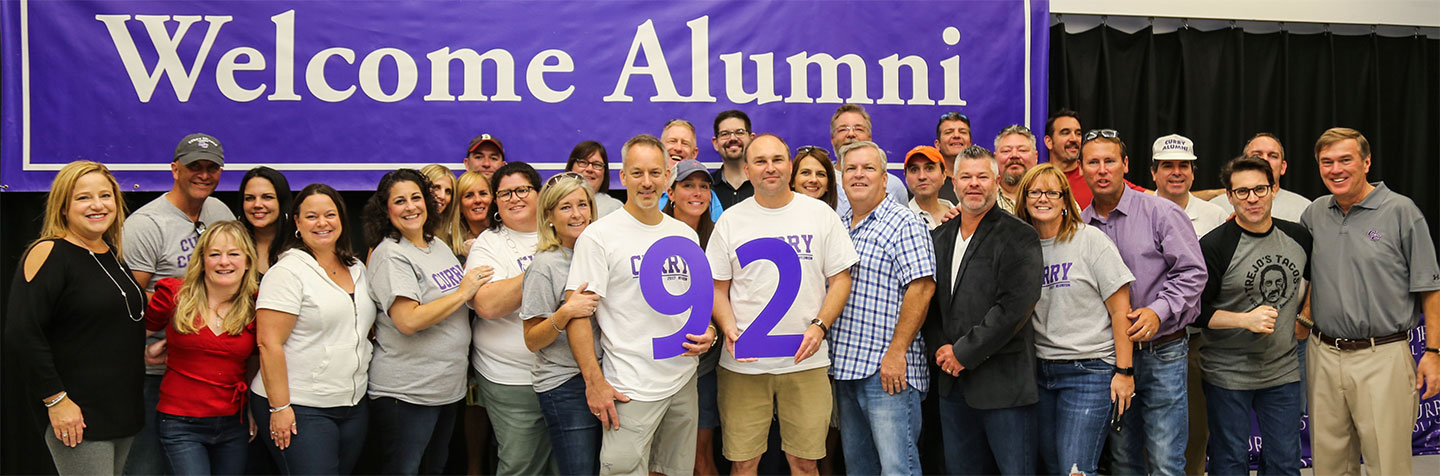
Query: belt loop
1372, 345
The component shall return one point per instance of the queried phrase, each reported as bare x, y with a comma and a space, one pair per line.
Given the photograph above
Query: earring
497, 217
297, 234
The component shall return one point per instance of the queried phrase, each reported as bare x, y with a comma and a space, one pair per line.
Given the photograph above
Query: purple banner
341, 92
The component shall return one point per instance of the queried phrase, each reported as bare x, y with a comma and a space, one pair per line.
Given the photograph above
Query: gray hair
975, 152
857, 145
1015, 129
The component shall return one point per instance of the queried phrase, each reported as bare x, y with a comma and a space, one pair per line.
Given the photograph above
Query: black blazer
986, 312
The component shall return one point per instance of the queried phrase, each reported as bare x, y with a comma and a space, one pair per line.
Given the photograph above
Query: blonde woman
442, 185
566, 208
471, 215
1084, 353
199, 419
73, 324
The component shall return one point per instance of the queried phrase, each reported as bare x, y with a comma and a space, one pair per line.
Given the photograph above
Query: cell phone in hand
1115, 415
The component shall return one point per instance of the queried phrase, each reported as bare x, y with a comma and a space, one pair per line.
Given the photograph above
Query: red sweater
1081, 191
205, 373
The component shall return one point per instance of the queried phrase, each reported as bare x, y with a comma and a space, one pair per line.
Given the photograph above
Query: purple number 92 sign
699, 298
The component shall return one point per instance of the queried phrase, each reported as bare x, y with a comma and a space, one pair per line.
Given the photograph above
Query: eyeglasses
1106, 133
199, 227
557, 178
951, 116
588, 164
1050, 194
519, 192
735, 133
848, 129
1244, 193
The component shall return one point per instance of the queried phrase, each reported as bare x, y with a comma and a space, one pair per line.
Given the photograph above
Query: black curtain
1221, 87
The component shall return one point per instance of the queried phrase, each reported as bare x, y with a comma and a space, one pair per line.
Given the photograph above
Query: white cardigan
327, 355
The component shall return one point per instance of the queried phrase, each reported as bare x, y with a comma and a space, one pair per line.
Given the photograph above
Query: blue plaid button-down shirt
895, 248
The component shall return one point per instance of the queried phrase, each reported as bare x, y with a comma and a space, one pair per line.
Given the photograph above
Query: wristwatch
824, 331
1127, 371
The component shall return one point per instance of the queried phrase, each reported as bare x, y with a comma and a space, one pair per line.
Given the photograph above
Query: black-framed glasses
557, 178
519, 192
1050, 194
1106, 133
735, 133
952, 116
1259, 191
586, 163
199, 227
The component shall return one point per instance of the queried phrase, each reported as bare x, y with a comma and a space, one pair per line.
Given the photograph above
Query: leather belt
1165, 339
1341, 343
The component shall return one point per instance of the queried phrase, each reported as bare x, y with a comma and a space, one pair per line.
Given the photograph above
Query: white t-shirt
497, 347
1287, 205
824, 249
327, 356
608, 257
1204, 216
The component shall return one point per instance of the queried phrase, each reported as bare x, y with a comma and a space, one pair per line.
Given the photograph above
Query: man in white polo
809, 265
652, 428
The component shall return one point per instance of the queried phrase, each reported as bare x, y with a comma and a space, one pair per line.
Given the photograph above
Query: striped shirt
895, 248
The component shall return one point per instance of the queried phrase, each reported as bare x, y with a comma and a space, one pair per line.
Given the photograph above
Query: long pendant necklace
123, 295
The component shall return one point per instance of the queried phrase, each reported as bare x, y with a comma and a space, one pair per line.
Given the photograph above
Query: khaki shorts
748, 402
653, 436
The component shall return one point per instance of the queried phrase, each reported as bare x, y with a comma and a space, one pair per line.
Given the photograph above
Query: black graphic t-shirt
1248, 270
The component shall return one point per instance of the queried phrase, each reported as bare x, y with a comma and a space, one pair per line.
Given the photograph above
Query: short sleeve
142, 244
538, 289
281, 290
1105, 262
719, 250
161, 307
1420, 251
482, 254
913, 250
588, 266
393, 276
840, 252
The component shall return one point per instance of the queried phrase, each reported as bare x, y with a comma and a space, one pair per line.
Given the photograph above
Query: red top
1081, 191
205, 373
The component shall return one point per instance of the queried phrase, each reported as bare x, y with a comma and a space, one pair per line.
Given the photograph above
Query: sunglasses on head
1106, 133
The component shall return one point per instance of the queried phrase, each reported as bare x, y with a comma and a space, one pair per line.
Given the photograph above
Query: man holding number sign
635, 261
878, 359
773, 257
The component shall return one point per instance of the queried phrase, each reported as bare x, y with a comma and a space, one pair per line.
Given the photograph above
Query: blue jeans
998, 441
1157, 422
574, 431
203, 445
145, 454
878, 431
328, 440
1277, 410
1073, 411
416, 437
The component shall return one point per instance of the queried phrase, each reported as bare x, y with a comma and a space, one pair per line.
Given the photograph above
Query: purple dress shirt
1158, 243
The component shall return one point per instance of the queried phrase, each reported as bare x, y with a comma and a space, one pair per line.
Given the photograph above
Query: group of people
594, 336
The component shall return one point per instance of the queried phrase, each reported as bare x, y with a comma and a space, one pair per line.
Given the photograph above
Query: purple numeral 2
756, 341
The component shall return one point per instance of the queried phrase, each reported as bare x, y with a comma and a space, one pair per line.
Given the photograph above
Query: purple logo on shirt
1056, 275
449, 278
1374, 235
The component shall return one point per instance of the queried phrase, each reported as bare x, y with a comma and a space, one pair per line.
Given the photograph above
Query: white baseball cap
1173, 147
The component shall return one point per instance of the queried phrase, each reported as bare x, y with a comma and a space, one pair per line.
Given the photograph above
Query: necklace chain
123, 295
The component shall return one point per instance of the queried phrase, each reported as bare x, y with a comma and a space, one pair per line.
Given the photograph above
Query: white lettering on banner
644, 46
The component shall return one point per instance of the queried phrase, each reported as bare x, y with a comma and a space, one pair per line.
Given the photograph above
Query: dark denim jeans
878, 431
416, 437
1073, 411
328, 440
146, 458
1276, 409
999, 441
203, 445
574, 431
1158, 421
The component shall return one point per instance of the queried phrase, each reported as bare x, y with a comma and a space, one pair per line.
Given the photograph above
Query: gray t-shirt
159, 239
428, 367
1370, 265
1071, 322
544, 292
1248, 270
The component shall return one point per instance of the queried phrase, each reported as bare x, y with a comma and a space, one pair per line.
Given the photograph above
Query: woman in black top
75, 324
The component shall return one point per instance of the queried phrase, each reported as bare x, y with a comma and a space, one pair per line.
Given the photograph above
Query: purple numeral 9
670, 256
756, 341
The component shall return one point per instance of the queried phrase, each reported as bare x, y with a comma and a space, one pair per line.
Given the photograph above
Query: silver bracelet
280, 408
57, 400
557, 328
